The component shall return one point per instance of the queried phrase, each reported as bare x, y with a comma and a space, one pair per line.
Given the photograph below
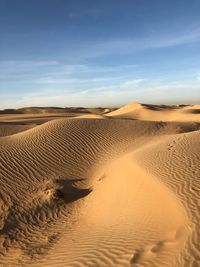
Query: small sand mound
91, 116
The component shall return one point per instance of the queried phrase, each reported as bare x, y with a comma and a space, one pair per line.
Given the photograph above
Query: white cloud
131, 45
176, 39
24, 64
56, 81
60, 84
113, 95
132, 83
52, 72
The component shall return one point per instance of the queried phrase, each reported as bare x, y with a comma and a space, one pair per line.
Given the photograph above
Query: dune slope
157, 112
100, 192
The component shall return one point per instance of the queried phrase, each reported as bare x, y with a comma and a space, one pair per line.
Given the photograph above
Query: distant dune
54, 110
100, 187
157, 113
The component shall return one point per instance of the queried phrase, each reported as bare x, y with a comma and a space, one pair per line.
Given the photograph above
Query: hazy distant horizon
99, 53
111, 106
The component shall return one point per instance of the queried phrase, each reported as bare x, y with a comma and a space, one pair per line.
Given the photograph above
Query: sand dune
10, 128
157, 113
55, 110
115, 189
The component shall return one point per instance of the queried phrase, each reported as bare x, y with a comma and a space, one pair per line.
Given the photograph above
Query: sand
100, 187
157, 113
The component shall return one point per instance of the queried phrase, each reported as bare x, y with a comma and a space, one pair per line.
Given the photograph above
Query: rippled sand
100, 187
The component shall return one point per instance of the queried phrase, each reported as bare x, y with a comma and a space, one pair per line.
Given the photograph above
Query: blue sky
99, 53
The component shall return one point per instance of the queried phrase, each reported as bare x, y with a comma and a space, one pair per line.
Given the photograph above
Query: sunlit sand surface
100, 187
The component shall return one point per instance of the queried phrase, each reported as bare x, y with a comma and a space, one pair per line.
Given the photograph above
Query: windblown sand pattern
100, 187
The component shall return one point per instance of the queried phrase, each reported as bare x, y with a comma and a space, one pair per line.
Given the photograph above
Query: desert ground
100, 187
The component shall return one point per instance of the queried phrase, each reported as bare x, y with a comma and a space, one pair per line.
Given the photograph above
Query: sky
99, 52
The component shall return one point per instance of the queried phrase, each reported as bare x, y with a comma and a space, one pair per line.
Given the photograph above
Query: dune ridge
97, 191
157, 112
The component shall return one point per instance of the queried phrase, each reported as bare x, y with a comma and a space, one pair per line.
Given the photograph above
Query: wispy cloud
175, 39
16, 73
134, 44
116, 94
74, 81
132, 82
25, 65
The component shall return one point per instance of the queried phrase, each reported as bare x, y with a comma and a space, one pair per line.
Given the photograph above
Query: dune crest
157, 112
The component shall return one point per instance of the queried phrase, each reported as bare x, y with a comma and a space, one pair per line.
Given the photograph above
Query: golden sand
100, 187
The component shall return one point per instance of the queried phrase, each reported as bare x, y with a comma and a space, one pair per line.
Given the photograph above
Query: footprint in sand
142, 255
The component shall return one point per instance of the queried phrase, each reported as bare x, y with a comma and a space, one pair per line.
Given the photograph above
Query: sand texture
100, 187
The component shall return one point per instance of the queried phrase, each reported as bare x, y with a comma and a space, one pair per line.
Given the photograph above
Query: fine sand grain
100, 187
